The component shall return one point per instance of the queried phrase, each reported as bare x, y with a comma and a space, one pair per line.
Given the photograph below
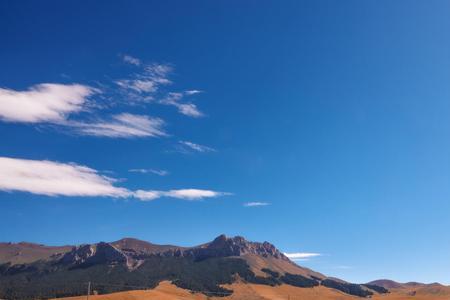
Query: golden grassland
167, 291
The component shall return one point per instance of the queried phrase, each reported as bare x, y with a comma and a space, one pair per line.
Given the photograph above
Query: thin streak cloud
188, 109
188, 146
255, 204
298, 256
123, 125
153, 171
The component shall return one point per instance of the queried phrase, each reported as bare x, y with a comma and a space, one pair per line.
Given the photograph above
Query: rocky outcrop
223, 246
78, 255
87, 255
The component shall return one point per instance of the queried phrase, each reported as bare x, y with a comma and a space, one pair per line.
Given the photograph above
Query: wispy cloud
131, 60
188, 109
57, 104
153, 171
45, 103
44, 177
185, 194
138, 85
302, 256
123, 125
186, 146
80, 108
142, 85
255, 204
192, 92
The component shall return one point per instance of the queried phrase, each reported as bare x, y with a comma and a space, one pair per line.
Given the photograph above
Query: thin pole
89, 290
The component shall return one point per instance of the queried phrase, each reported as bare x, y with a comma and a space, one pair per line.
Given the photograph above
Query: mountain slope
135, 245
22, 253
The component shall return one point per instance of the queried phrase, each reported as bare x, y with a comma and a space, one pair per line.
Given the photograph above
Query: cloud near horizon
50, 178
302, 256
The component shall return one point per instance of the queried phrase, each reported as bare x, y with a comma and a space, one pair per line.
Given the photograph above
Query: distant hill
414, 290
29, 271
22, 253
390, 284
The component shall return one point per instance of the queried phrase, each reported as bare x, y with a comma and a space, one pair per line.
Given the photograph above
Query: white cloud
302, 255
77, 107
131, 60
254, 204
193, 194
188, 109
53, 103
146, 171
123, 125
192, 92
186, 145
158, 71
147, 195
138, 85
46, 102
53, 179
146, 82
44, 177
185, 194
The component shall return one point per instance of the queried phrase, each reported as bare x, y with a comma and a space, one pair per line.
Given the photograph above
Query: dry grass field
168, 291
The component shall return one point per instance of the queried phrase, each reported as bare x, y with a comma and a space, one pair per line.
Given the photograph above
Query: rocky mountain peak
238, 245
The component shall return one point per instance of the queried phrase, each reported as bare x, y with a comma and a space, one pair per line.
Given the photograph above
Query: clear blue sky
334, 113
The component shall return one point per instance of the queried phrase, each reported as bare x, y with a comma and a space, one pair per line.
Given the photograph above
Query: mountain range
30, 271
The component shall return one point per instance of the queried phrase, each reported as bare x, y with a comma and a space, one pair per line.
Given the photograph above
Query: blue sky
170, 121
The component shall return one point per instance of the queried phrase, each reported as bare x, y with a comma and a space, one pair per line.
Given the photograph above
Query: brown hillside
168, 291
20, 253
